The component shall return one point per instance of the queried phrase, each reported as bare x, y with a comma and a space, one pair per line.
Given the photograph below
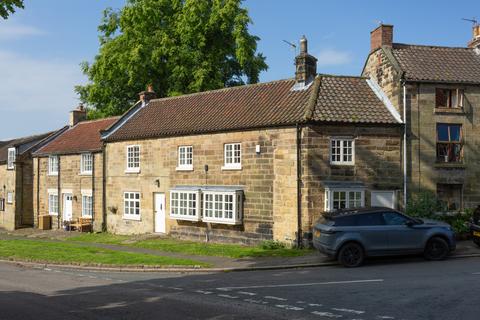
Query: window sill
449, 111
184, 168
132, 171
53, 214
131, 218
85, 174
447, 165
52, 174
229, 222
231, 168
184, 218
340, 164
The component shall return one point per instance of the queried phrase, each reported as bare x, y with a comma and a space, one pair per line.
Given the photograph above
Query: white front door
160, 212
67, 207
383, 199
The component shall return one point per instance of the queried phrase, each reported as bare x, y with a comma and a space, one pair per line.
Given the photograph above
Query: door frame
155, 212
64, 200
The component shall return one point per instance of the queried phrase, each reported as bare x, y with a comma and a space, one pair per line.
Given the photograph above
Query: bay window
185, 205
336, 199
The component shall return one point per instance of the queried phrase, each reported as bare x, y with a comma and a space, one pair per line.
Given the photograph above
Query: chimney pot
381, 36
303, 45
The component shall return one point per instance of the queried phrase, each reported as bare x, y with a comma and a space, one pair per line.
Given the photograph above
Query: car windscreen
325, 220
345, 221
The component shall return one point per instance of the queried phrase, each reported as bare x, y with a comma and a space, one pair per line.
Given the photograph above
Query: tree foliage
178, 46
8, 7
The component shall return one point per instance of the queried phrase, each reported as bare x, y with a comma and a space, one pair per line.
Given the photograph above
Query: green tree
7, 7
177, 46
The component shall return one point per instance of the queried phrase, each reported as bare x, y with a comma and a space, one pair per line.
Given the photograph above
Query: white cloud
13, 31
333, 57
35, 94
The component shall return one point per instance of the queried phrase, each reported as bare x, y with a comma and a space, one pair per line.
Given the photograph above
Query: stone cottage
16, 180
255, 162
438, 88
69, 170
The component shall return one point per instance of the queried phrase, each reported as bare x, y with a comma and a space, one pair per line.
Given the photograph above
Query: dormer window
11, 158
449, 98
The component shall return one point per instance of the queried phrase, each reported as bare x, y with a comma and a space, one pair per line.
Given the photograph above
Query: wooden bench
82, 224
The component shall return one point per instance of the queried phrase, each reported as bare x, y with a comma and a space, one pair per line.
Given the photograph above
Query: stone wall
71, 181
268, 179
377, 164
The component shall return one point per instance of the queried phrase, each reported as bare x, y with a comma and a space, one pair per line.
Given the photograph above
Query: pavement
312, 259
381, 290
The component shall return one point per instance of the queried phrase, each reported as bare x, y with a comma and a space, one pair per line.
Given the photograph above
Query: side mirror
410, 223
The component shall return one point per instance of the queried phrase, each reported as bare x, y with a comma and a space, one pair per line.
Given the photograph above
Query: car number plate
317, 234
476, 233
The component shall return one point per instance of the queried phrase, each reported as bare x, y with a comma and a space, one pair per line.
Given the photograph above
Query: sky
42, 46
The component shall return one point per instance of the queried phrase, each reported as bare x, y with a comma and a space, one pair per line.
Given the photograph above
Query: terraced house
69, 173
438, 88
16, 180
255, 162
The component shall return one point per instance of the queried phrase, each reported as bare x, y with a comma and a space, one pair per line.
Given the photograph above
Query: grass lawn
55, 252
193, 248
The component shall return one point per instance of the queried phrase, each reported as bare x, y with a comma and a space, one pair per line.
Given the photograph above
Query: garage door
383, 199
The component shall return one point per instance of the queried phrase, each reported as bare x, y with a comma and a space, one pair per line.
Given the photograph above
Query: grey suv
351, 235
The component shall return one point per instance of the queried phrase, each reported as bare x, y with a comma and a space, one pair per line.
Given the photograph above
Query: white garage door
383, 199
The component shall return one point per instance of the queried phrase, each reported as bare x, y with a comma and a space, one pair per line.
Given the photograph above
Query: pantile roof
340, 99
349, 99
83, 137
438, 64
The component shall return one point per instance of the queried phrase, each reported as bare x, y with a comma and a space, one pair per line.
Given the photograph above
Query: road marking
315, 305
204, 292
247, 293
275, 298
348, 310
255, 301
385, 317
175, 288
300, 284
288, 307
476, 273
227, 296
327, 314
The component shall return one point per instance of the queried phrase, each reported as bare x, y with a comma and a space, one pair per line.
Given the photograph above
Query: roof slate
438, 64
20, 142
349, 99
83, 137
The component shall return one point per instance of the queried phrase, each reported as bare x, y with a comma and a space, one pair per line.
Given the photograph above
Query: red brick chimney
475, 42
147, 95
381, 36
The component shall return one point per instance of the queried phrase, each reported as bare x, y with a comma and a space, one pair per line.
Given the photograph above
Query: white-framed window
232, 156
342, 151
87, 206
222, 207
344, 198
53, 165
2, 204
86, 163
53, 203
185, 158
133, 158
131, 205
11, 158
185, 205
9, 197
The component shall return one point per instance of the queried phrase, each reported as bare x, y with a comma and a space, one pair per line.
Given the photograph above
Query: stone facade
268, 178
17, 182
69, 180
425, 173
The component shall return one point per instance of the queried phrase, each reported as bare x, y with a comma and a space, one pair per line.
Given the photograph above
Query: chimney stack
78, 115
475, 42
381, 36
306, 64
149, 94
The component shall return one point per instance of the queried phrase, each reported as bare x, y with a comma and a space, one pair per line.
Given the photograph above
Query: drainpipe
104, 188
404, 145
299, 185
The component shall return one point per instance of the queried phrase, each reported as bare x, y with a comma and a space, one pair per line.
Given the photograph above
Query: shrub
272, 245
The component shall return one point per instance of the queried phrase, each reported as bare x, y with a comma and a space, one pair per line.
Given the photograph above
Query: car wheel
351, 255
436, 249
476, 241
